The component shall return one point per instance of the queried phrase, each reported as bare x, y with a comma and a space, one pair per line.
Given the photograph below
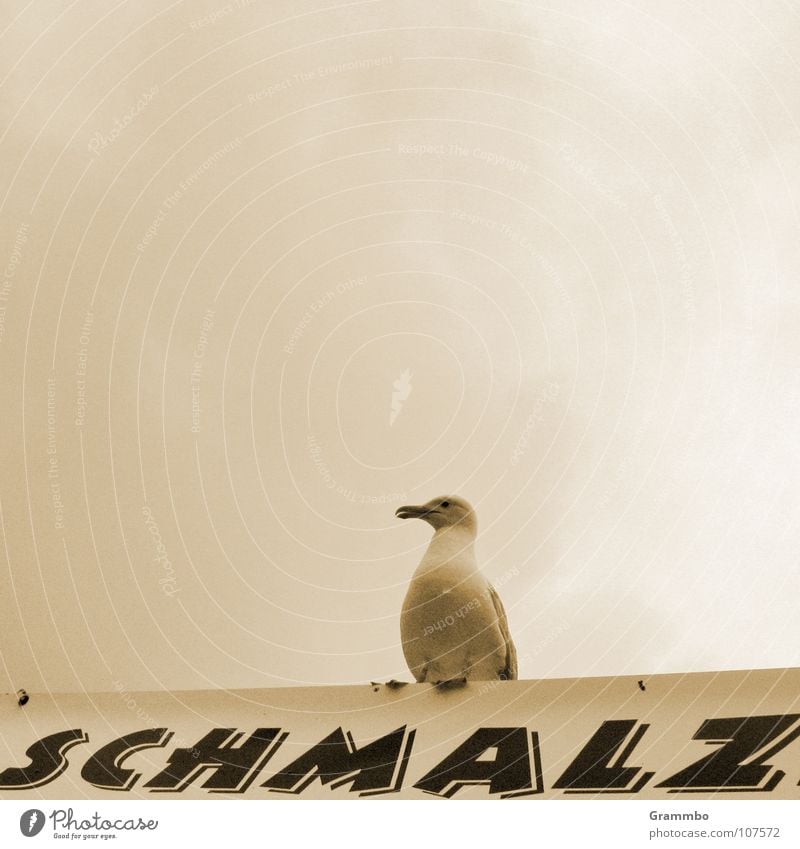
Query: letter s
47, 761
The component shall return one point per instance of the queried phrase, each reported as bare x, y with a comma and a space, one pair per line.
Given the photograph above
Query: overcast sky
564, 237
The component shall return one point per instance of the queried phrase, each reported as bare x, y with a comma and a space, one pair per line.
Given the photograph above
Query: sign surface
701, 735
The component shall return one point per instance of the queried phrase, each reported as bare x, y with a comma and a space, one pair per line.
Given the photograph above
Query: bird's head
442, 512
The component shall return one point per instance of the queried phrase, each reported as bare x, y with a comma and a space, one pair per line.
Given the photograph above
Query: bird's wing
502, 620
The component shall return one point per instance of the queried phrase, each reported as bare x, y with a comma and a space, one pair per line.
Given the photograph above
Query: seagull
453, 625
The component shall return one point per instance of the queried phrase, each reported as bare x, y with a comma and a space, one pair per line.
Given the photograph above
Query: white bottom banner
336, 824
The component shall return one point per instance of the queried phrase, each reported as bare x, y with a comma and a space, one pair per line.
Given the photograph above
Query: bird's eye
445, 504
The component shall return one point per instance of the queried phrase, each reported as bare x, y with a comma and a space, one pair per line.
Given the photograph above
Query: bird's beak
412, 512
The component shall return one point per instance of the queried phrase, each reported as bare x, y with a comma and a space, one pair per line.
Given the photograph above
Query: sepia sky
565, 236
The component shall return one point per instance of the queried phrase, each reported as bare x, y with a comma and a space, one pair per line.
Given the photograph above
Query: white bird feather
453, 625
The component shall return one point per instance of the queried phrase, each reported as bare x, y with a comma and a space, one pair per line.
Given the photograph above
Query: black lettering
104, 769
378, 767
593, 772
745, 738
508, 772
234, 767
47, 761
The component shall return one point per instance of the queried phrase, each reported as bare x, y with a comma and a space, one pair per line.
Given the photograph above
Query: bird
453, 626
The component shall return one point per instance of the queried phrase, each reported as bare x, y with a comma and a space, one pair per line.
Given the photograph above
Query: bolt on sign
699, 735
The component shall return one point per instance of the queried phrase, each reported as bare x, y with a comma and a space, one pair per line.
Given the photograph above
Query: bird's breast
444, 599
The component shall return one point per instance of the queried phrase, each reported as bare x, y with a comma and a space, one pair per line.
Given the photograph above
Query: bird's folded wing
502, 620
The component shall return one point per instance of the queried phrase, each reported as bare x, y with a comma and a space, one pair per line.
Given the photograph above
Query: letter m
375, 768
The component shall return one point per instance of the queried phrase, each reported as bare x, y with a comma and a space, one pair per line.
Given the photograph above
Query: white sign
722, 735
